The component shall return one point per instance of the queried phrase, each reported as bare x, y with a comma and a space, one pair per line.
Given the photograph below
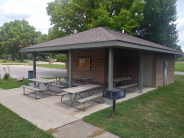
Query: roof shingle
99, 34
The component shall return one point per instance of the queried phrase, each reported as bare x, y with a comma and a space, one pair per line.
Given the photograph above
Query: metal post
34, 67
111, 65
70, 68
113, 109
141, 72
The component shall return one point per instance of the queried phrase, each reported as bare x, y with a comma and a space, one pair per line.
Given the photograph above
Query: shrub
6, 76
61, 58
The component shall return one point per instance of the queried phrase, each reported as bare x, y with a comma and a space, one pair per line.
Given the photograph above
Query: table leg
73, 99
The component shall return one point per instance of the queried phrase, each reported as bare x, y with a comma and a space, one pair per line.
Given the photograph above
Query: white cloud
180, 25
41, 22
16, 7
34, 11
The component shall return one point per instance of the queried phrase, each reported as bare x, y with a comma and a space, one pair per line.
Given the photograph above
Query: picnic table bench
35, 90
121, 79
77, 90
84, 100
128, 86
46, 83
85, 80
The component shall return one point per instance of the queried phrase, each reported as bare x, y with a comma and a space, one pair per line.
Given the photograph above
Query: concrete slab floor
43, 116
50, 113
80, 129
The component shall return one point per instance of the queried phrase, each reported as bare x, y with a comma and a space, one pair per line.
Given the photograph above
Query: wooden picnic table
77, 78
121, 79
77, 90
83, 79
46, 82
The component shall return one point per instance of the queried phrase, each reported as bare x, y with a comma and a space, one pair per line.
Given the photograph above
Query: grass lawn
159, 113
11, 61
9, 84
13, 126
52, 66
179, 66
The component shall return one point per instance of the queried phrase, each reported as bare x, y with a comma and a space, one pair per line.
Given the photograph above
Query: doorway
148, 71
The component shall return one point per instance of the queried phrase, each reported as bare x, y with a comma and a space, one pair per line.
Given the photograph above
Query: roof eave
100, 45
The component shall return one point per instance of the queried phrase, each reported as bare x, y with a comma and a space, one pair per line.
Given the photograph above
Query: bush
61, 58
6, 76
45, 59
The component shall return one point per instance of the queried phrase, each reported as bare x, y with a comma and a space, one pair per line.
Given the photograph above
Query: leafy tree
80, 15
158, 24
15, 35
61, 58
18, 34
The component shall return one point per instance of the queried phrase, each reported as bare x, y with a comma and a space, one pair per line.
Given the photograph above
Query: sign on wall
83, 63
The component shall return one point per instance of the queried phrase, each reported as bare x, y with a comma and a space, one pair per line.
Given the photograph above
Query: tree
158, 24
15, 35
73, 16
18, 34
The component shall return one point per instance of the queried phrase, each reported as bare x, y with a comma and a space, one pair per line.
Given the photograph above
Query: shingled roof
99, 34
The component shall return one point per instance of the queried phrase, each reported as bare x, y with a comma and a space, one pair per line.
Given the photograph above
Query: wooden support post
141, 72
34, 66
111, 66
70, 68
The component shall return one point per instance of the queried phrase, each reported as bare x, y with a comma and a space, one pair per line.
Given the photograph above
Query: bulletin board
83, 63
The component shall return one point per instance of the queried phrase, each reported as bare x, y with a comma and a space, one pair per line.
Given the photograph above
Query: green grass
13, 126
158, 113
10, 84
56, 66
179, 66
11, 61
11, 64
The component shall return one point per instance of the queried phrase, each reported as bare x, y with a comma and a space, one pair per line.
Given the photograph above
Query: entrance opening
148, 71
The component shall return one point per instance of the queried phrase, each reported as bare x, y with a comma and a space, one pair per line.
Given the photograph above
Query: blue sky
35, 13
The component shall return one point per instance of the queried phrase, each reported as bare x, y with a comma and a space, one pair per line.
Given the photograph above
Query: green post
141, 72
34, 64
111, 66
34, 67
70, 68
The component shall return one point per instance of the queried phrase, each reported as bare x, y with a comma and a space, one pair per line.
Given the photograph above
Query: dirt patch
51, 131
97, 133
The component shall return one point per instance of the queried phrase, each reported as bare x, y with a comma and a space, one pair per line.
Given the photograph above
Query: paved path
21, 70
179, 73
46, 117
80, 129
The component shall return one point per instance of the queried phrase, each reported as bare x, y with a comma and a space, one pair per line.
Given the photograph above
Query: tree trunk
27, 55
21, 59
13, 56
66, 64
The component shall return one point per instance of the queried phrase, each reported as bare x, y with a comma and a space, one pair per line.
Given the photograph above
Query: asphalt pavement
22, 70
179, 73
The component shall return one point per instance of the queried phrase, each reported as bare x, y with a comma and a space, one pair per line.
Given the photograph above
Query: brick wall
124, 63
158, 68
98, 66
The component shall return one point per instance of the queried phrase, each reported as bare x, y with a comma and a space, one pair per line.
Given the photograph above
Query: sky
34, 11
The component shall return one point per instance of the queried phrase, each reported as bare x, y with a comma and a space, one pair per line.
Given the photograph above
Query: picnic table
46, 82
121, 79
75, 91
85, 80
58, 76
